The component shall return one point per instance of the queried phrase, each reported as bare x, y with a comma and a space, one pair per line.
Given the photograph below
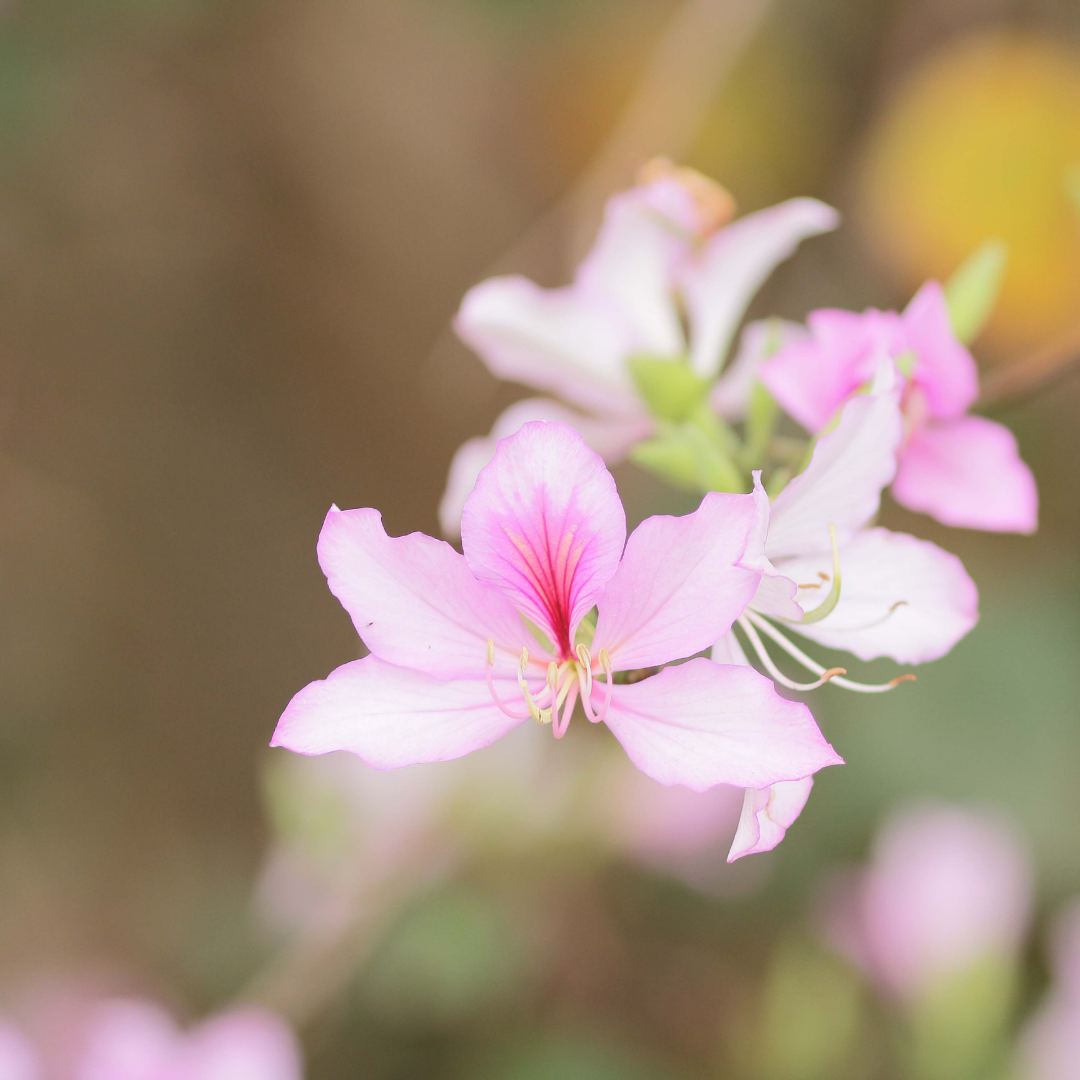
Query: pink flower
1050, 1046
946, 889
963, 470
132, 1040
657, 254
454, 665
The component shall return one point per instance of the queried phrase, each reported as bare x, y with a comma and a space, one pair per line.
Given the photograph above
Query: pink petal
945, 371
759, 341
546, 525
776, 594
811, 380
393, 716
680, 584
129, 1040
646, 232
767, 815
246, 1044
900, 597
948, 888
843, 482
18, 1059
414, 600
720, 283
611, 439
728, 651
701, 724
968, 473
565, 341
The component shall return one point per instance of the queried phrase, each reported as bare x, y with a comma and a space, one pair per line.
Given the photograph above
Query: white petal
900, 597
842, 484
719, 284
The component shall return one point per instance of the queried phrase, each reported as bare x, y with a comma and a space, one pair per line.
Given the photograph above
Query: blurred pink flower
654, 256
543, 534
946, 888
133, 1040
963, 470
1050, 1046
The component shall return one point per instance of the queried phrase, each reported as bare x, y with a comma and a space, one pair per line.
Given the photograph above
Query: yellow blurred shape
979, 142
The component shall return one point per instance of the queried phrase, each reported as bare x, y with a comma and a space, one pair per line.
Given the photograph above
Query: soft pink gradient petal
842, 484
680, 584
776, 594
900, 597
968, 473
646, 232
414, 600
246, 1044
18, 1059
610, 438
760, 340
812, 378
700, 724
393, 716
1050, 1044
948, 887
720, 282
945, 370
558, 340
130, 1040
728, 651
546, 525
767, 815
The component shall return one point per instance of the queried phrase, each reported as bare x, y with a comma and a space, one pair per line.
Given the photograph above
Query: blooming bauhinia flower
1050, 1046
963, 470
133, 1040
661, 254
466, 647
830, 578
948, 888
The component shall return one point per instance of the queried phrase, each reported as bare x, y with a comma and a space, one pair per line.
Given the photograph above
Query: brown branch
1013, 382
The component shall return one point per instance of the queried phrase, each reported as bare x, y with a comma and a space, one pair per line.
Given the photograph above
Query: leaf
761, 417
669, 388
687, 458
973, 289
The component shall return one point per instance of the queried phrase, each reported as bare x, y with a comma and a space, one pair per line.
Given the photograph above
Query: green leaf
686, 457
761, 417
973, 289
669, 388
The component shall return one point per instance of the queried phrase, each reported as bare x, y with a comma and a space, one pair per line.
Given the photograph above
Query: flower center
564, 681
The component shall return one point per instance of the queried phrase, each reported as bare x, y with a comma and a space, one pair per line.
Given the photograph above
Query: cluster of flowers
551, 604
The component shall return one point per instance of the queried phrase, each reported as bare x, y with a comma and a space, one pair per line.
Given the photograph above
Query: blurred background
232, 236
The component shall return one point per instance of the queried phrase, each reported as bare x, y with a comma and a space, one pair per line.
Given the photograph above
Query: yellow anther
605, 663
491, 653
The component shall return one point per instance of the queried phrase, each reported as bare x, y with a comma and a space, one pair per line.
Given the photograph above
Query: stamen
870, 625
605, 666
830, 602
775, 672
569, 696
794, 651
585, 679
540, 716
513, 714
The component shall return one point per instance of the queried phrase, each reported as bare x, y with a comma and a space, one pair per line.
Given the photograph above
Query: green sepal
670, 389
688, 458
972, 291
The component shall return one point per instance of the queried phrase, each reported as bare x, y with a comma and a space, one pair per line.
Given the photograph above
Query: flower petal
700, 724
760, 340
246, 1044
776, 593
18, 1059
767, 815
393, 716
546, 525
129, 1040
812, 379
610, 438
843, 482
719, 284
945, 371
901, 597
680, 585
561, 340
414, 600
646, 232
968, 473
